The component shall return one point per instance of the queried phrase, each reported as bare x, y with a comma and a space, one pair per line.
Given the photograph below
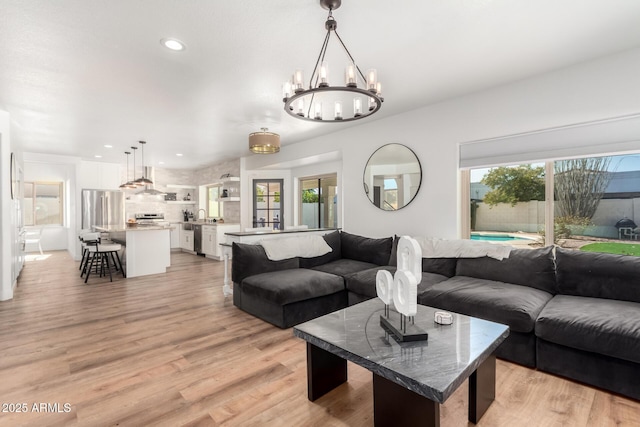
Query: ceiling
76, 75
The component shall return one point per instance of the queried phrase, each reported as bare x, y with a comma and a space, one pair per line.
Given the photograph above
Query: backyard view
596, 203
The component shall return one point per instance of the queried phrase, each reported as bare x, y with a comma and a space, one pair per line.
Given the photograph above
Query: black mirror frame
366, 187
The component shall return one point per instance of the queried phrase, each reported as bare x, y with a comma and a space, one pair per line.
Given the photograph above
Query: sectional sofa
570, 313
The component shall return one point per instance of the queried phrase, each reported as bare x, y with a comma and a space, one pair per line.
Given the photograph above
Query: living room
600, 89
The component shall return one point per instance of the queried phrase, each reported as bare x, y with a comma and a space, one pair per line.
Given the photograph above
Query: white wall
595, 90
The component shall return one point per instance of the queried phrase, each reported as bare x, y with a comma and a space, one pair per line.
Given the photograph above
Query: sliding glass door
318, 201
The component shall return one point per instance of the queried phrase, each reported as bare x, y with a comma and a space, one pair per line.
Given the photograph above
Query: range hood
150, 190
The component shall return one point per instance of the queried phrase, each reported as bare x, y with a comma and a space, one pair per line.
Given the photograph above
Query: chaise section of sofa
512, 291
295, 290
590, 331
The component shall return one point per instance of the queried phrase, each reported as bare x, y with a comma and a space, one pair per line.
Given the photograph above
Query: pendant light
143, 179
128, 184
135, 183
264, 142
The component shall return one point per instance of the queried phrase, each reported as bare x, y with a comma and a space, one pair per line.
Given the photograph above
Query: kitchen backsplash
173, 211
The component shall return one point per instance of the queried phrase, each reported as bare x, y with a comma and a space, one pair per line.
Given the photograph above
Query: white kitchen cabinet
218, 237
175, 235
186, 240
97, 175
209, 241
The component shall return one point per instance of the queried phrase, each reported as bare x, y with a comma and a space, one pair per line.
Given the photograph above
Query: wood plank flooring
170, 350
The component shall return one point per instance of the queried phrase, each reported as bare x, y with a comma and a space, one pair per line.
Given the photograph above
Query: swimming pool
495, 237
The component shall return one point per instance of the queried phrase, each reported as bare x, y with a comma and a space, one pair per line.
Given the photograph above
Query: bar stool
103, 254
87, 238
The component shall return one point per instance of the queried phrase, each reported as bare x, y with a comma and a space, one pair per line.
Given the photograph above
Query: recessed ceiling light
179, 154
108, 146
173, 44
98, 156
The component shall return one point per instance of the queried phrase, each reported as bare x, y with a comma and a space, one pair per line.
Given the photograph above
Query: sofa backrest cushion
598, 275
443, 266
249, 260
333, 240
527, 267
366, 249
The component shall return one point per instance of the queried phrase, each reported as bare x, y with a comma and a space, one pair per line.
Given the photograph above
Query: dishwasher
197, 239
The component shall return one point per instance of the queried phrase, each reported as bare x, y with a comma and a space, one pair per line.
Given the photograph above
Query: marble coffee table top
434, 368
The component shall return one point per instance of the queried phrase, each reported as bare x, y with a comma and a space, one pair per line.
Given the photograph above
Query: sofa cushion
598, 275
333, 240
343, 267
364, 282
365, 249
252, 259
527, 267
443, 266
602, 326
288, 286
513, 305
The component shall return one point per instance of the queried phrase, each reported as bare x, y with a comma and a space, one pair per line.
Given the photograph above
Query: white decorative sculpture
403, 288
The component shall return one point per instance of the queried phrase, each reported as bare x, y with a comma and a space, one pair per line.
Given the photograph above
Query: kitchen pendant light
135, 183
264, 142
129, 183
143, 179
315, 102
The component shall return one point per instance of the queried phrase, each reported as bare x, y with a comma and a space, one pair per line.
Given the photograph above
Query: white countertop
113, 229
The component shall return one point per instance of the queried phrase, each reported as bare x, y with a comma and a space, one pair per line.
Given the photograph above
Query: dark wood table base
394, 404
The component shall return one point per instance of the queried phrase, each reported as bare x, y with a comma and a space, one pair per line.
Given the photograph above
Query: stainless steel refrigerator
102, 208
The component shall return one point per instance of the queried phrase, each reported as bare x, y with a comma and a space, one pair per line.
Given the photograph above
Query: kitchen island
147, 248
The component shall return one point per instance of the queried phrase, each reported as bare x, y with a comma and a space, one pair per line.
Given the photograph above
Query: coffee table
410, 379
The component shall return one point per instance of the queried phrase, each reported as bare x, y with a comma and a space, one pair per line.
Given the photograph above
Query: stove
151, 219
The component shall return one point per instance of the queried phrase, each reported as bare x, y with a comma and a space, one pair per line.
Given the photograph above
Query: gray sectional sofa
570, 313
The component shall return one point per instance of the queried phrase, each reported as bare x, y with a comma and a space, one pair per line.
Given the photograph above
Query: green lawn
613, 248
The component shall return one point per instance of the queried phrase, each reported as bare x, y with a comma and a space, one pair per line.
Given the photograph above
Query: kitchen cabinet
209, 241
175, 235
186, 240
98, 175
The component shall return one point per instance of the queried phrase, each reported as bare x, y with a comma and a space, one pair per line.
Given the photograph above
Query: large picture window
43, 203
587, 204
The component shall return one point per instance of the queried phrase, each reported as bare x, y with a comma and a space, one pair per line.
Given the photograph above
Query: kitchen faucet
205, 213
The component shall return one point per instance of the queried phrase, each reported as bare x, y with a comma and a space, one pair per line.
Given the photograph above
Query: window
43, 203
268, 203
587, 204
214, 207
318, 202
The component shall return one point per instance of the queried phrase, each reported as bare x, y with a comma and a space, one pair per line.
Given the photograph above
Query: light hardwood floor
171, 350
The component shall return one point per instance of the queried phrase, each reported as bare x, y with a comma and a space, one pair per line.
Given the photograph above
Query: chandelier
360, 97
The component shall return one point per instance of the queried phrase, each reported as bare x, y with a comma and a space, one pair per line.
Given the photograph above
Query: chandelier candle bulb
300, 108
357, 107
318, 111
350, 75
372, 80
286, 90
338, 110
324, 71
372, 104
298, 81
379, 88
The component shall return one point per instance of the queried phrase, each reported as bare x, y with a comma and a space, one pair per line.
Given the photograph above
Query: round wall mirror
392, 177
